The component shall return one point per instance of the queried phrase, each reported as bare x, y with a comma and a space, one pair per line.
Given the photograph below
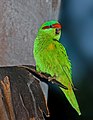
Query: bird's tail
71, 98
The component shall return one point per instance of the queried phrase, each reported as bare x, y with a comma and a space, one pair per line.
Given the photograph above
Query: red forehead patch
56, 25
46, 27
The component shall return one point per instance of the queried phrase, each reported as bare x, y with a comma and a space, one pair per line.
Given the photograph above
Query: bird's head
51, 29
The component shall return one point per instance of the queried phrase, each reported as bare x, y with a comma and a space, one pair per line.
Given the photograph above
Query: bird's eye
50, 26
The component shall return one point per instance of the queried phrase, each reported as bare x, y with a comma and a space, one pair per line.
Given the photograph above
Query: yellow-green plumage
51, 58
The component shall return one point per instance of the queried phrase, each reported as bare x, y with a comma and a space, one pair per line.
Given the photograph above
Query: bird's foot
54, 81
74, 88
52, 78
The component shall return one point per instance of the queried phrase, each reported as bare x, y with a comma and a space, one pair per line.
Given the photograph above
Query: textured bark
21, 96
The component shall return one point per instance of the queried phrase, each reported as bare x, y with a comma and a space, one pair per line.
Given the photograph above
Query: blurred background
76, 17
19, 22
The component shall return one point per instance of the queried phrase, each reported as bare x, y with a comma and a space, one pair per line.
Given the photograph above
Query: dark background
76, 17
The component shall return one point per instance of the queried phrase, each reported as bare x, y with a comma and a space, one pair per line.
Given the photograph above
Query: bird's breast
51, 46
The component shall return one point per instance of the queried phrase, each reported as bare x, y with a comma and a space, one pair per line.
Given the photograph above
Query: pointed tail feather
72, 99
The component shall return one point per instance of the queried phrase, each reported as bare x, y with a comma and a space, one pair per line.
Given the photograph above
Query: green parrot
51, 58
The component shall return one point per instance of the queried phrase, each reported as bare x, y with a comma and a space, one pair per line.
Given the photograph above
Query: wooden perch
21, 96
43, 77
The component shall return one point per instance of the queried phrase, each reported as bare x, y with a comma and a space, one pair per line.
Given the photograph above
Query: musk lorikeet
51, 58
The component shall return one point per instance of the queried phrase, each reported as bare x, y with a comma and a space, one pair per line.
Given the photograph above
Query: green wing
61, 59
63, 72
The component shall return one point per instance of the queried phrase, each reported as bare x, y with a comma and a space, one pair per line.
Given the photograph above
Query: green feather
51, 58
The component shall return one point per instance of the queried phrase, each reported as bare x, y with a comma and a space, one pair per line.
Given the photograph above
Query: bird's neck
42, 41
45, 38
